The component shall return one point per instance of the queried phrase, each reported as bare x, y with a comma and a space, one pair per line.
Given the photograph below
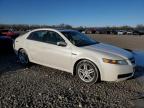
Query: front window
78, 39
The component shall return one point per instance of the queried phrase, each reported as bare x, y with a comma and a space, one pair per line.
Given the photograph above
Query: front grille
132, 60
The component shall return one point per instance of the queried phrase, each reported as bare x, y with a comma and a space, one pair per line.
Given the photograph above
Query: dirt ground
123, 41
43, 87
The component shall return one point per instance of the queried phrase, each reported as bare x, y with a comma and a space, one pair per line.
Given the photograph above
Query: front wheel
87, 72
23, 58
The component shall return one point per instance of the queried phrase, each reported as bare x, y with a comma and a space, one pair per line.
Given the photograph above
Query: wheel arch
20, 49
25, 52
75, 64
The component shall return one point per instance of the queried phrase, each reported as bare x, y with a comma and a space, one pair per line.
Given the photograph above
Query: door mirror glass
62, 44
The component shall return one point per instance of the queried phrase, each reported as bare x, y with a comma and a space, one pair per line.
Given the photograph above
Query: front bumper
111, 72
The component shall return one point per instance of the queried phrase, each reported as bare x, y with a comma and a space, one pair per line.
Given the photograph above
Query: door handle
74, 54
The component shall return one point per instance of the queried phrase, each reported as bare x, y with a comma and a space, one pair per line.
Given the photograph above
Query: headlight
120, 62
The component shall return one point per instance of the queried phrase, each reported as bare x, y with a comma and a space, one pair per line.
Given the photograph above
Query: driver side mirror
63, 44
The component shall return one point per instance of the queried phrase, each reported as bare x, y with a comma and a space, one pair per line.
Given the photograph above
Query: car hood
106, 48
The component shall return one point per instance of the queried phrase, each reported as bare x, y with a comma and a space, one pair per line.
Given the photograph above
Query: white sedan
74, 52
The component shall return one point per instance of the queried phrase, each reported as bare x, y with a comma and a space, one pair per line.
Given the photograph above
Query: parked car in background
121, 32
129, 32
6, 43
28, 30
83, 32
136, 32
113, 32
9, 33
90, 31
74, 52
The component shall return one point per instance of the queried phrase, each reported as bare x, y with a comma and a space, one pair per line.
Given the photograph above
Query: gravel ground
42, 87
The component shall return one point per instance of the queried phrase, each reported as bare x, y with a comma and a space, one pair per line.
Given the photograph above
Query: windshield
78, 39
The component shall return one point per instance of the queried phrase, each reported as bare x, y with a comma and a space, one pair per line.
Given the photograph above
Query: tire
87, 72
23, 57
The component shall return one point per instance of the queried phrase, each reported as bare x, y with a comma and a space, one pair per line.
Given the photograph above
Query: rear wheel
23, 57
87, 72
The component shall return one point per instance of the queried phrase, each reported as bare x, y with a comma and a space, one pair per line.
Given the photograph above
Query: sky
92, 13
